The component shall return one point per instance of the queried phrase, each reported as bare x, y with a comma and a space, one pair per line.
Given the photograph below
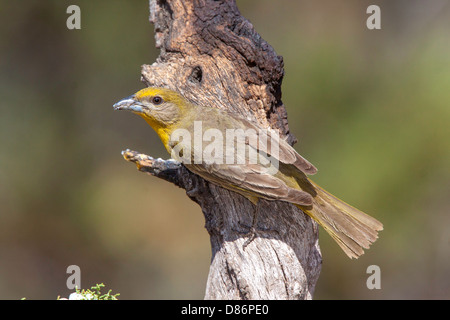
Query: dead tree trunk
214, 57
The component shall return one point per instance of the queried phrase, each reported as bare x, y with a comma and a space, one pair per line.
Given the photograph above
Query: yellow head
160, 107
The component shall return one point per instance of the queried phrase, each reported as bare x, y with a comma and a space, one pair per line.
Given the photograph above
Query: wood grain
214, 57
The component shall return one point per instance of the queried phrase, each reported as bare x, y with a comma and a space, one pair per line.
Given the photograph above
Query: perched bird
261, 167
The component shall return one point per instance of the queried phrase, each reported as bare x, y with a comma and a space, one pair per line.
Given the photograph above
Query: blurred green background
371, 109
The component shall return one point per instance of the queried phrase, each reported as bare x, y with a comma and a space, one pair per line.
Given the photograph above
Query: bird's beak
129, 103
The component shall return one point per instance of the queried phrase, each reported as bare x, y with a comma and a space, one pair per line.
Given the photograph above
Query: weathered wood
214, 57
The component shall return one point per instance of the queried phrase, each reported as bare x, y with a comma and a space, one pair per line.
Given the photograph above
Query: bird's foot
253, 232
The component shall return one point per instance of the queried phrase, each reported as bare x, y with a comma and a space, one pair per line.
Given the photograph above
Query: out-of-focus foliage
371, 109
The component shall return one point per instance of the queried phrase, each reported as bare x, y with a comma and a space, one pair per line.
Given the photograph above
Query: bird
262, 166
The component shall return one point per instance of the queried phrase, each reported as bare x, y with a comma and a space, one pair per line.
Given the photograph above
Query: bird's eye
157, 100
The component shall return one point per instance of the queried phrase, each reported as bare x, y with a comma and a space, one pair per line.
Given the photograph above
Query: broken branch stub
214, 57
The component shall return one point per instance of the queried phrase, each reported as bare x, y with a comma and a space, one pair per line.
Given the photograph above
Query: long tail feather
352, 229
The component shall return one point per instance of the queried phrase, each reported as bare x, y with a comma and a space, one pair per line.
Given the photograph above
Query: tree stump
214, 57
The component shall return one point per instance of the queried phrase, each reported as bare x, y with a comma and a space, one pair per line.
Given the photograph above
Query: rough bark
214, 57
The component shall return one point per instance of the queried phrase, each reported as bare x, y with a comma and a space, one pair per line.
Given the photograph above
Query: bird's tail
352, 229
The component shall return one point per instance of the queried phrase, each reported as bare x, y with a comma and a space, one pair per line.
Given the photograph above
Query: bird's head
160, 107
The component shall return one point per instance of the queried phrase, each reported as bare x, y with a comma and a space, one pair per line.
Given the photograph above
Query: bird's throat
161, 131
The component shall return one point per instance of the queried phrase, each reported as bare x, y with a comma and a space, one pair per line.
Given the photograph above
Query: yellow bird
260, 167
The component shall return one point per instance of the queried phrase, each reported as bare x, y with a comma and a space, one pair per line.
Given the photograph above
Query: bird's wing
250, 180
270, 142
